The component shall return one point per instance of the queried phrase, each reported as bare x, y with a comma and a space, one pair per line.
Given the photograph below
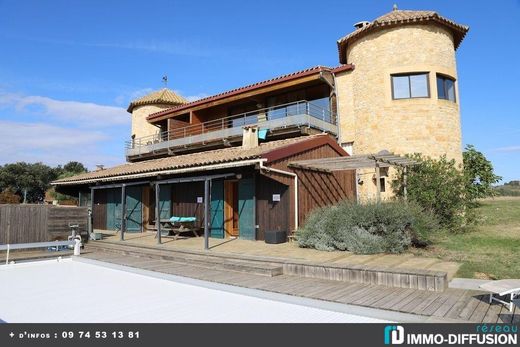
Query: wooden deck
449, 306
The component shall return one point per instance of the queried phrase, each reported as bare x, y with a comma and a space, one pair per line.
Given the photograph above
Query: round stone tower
151, 103
402, 95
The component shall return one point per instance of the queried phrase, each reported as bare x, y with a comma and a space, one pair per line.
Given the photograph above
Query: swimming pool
76, 290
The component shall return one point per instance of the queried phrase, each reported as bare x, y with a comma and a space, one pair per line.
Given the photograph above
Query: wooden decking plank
385, 292
309, 289
492, 313
399, 306
470, 307
361, 292
339, 291
451, 300
430, 303
360, 297
422, 302
398, 297
480, 311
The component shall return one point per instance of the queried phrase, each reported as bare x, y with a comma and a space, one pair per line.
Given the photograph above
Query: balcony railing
296, 114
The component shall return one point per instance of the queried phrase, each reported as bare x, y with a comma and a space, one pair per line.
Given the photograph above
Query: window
445, 88
348, 147
410, 86
382, 182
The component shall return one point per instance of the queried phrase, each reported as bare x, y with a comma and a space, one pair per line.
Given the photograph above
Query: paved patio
288, 250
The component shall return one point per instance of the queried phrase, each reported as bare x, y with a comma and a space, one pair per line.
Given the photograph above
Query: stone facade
140, 126
373, 121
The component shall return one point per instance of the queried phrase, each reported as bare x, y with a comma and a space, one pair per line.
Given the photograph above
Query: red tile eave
295, 148
274, 81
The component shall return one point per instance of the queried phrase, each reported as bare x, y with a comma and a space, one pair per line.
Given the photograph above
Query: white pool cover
76, 291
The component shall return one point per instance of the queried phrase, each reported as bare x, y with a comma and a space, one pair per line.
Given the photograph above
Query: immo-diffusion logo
394, 334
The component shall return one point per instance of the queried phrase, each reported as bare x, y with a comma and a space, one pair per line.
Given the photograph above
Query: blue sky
68, 69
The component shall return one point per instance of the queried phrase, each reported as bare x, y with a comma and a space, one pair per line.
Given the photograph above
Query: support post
405, 179
206, 214
123, 213
378, 182
157, 213
91, 213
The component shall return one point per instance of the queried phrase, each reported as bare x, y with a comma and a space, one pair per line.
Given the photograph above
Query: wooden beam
244, 95
378, 182
405, 179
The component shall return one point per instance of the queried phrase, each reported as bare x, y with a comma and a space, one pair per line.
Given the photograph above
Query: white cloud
193, 97
53, 145
508, 149
84, 114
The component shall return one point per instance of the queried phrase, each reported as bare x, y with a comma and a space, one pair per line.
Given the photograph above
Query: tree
437, 186
478, 174
74, 167
29, 180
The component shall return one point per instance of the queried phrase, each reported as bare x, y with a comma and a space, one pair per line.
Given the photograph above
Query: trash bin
275, 236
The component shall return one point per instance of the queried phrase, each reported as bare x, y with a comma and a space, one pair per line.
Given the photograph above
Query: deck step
202, 261
390, 274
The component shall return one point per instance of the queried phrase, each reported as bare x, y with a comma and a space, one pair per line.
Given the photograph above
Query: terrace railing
295, 114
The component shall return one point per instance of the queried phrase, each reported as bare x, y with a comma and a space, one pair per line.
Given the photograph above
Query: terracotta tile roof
212, 157
402, 17
164, 96
279, 79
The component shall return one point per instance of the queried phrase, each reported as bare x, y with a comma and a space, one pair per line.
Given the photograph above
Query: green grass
492, 249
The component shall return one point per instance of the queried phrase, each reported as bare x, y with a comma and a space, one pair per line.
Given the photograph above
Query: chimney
361, 24
250, 137
100, 167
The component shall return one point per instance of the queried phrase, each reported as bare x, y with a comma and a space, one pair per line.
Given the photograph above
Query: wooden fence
40, 223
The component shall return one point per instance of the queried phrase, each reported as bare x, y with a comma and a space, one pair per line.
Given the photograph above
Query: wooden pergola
377, 161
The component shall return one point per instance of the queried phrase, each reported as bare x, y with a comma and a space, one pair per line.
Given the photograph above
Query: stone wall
140, 126
373, 121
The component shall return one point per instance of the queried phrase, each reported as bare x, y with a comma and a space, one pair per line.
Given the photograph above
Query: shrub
8, 196
437, 186
369, 228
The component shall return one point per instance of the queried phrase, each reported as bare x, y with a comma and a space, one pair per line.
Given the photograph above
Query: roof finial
394, 8
165, 80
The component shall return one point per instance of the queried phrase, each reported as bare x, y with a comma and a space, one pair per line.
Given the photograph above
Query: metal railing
291, 114
71, 242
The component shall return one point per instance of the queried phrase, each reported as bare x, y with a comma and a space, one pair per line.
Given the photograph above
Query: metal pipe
157, 213
123, 213
91, 214
295, 176
206, 213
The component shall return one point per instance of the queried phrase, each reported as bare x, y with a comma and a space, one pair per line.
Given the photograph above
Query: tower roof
164, 96
398, 18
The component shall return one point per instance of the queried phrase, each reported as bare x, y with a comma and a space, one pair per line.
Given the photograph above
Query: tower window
445, 88
407, 86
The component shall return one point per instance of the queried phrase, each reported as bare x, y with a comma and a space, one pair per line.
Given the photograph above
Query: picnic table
177, 225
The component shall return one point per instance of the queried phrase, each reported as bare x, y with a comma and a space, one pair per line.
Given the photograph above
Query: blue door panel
114, 209
165, 200
134, 214
246, 209
217, 209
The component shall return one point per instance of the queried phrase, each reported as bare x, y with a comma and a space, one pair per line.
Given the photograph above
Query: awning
353, 162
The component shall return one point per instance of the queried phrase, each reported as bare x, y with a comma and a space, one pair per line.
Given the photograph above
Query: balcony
300, 116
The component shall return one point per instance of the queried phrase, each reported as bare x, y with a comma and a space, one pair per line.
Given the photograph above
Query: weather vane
165, 80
